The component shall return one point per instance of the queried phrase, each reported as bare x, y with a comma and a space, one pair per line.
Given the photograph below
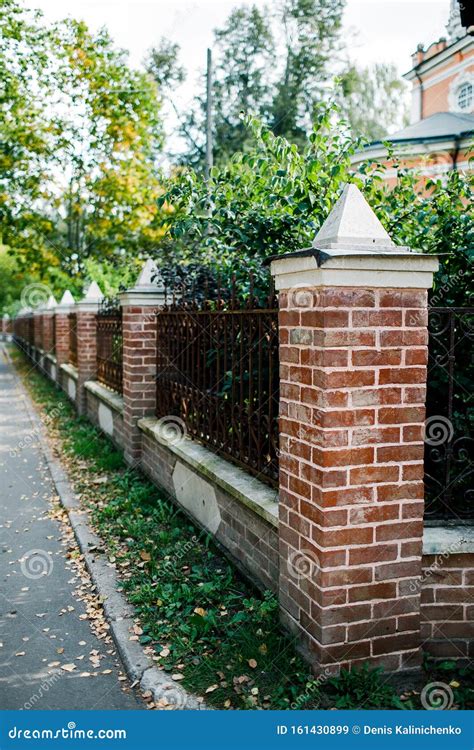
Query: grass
198, 618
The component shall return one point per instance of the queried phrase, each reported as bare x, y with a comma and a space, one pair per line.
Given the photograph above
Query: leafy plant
362, 688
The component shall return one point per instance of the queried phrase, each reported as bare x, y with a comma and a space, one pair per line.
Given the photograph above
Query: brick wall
86, 353
114, 419
48, 332
61, 322
447, 605
139, 373
250, 540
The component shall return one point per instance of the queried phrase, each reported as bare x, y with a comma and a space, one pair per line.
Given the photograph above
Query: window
465, 96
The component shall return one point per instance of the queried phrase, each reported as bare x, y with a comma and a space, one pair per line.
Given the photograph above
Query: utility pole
209, 115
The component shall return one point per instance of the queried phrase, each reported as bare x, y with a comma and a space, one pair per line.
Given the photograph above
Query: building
441, 130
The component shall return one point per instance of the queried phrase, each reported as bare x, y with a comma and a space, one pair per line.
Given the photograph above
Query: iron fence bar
449, 462
217, 385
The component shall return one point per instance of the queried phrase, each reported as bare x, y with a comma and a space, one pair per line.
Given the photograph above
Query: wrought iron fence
110, 345
73, 339
449, 433
217, 370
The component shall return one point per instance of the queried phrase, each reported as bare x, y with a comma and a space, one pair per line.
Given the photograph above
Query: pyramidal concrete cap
67, 299
93, 293
353, 224
149, 278
51, 303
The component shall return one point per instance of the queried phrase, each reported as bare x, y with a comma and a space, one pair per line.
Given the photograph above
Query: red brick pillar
139, 308
38, 329
353, 335
61, 325
48, 326
86, 311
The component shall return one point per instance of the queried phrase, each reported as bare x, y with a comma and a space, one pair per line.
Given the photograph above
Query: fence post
38, 333
86, 310
61, 324
48, 325
353, 351
139, 307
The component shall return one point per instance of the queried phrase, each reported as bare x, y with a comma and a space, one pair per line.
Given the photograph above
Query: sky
389, 30
377, 30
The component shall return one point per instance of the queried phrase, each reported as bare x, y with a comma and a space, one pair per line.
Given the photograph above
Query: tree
249, 79
27, 133
83, 134
243, 56
110, 142
372, 100
163, 65
310, 32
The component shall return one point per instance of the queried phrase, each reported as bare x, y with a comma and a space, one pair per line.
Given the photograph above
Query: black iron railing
110, 345
73, 339
449, 433
217, 371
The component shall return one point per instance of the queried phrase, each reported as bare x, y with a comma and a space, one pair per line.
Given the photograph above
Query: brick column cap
149, 289
352, 249
66, 304
50, 306
91, 300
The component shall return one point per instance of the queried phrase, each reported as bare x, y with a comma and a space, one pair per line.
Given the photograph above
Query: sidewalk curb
119, 613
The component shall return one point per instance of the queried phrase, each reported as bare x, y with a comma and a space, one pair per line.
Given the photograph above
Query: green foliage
81, 135
311, 29
363, 688
267, 200
272, 199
